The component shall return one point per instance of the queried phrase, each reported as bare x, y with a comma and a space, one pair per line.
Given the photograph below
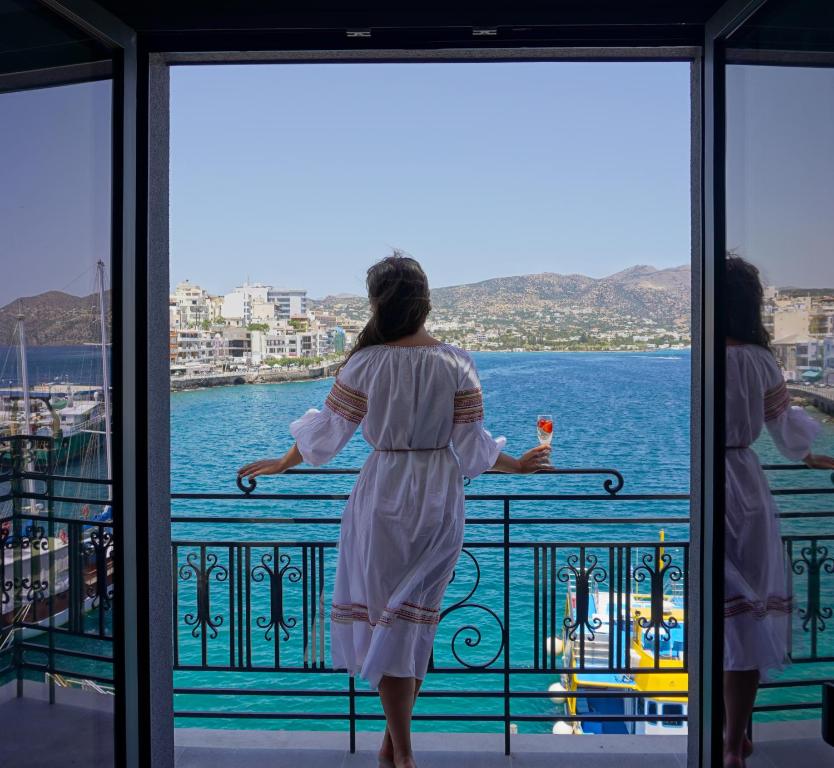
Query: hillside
639, 292
568, 305
53, 318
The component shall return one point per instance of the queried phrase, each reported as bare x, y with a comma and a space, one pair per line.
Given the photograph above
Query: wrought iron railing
56, 569
270, 593
250, 595
259, 605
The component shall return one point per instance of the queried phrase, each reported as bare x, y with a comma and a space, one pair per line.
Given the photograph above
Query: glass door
774, 272
59, 516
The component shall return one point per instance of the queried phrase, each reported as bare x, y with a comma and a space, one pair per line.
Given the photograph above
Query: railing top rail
612, 484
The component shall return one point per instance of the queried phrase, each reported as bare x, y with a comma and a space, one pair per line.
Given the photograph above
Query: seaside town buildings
801, 326
254, 324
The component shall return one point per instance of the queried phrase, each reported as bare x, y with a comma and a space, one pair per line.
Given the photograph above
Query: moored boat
643, 686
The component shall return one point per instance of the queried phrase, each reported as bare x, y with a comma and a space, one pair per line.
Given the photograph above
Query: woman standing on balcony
420, 406
757, 603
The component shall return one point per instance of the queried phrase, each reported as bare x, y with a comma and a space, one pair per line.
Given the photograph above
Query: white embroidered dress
757, 603
421, 410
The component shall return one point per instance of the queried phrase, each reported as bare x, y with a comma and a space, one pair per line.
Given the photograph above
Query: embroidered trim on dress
469, 406
735, 606
776, 401
350, 404
416, 614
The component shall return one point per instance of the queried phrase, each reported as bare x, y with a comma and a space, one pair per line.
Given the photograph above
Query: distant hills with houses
638, 293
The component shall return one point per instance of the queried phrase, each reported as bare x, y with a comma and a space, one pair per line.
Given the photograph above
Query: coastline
207, 380
210, 380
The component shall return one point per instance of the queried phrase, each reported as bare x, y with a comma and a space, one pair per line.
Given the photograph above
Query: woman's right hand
535, 459
819, 461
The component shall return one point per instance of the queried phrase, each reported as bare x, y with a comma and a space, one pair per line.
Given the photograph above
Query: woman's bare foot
405, 762
746, 748
386, 752
733, 761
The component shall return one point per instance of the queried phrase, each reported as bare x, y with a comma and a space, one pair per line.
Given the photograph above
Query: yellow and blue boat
648, 679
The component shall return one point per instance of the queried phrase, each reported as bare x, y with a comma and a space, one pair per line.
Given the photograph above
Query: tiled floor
34, 734
37, 735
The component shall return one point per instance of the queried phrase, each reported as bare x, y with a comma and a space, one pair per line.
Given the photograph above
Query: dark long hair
398, 291
744, 301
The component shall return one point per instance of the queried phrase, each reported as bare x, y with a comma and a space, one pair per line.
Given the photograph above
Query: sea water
626, 411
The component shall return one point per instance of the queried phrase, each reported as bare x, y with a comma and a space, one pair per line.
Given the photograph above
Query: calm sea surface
79, 364
626, 411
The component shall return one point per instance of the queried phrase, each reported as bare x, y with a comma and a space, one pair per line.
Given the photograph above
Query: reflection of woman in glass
757, 604
420, 406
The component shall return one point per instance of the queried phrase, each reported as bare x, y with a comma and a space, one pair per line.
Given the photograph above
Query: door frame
706, 748
144, 721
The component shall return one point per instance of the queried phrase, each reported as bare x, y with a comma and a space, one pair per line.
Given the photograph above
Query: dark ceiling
570, 21
181, 15
33, 37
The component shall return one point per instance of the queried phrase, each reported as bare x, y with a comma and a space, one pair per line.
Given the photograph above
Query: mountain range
639, 292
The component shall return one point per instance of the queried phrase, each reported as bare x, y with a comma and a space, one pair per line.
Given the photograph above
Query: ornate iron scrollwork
656, 576
276, 575
6, 584
613, 486
248, 487
470, 634
814, 560
101, 542
30, 588
203, 620
583, 573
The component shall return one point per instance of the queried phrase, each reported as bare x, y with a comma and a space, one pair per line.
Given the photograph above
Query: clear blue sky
304, 175
54, 188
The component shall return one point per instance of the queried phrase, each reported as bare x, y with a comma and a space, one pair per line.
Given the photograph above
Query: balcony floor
66, 736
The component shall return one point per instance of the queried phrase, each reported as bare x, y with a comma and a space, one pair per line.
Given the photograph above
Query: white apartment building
237, 304
189, 306
190, 345
291, 344
215, 308
793, 322
265, 312
256, 302
291, 302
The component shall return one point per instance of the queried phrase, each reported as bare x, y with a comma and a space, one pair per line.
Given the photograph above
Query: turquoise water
628, 411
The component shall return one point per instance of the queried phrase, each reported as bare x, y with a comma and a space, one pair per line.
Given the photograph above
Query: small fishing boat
647, 679
44, 565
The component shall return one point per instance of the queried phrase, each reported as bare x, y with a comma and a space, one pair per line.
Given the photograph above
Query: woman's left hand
262, 467
535, 459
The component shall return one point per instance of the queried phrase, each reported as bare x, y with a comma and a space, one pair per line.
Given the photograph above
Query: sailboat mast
24, 373
27, 400
105, 371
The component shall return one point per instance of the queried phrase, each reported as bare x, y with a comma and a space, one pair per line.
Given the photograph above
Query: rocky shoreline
203, 381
